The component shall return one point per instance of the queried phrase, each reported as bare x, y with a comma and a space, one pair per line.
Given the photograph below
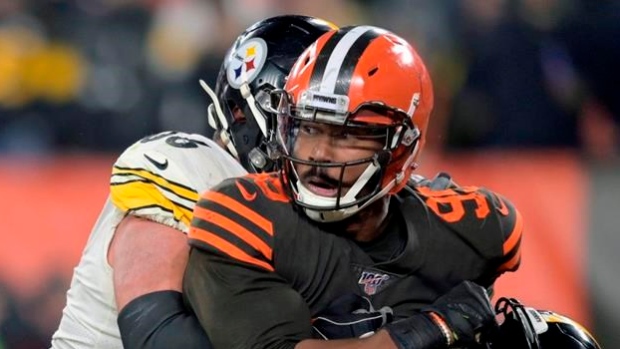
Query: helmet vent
373, 71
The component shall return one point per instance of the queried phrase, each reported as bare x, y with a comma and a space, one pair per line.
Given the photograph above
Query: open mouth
321, 186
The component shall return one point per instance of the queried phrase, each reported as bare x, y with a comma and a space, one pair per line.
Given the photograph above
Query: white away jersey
159, 178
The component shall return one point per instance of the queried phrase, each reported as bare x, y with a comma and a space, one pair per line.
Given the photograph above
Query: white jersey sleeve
161, 177
158, 178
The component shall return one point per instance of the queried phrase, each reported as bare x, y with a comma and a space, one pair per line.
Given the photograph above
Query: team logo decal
372, 281
246, 62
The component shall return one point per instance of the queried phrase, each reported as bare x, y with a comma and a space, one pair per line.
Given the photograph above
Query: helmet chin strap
216, 109
246, 93
400, 176
538, 323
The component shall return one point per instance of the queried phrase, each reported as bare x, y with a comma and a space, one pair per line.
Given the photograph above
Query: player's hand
467, 312
457, 319
351, 316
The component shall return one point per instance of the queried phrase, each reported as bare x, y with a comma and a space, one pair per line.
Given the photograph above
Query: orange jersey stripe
511, 263
226, 247
515, 235
234, 228
240, 209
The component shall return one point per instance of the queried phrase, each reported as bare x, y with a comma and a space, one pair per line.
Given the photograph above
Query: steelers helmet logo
246, 62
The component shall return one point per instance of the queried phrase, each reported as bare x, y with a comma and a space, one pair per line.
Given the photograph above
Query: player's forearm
381, 339
159, 320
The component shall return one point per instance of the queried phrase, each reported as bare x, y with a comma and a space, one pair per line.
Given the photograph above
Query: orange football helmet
359, 77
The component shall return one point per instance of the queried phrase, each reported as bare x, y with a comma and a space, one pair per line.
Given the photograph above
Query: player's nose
323, 149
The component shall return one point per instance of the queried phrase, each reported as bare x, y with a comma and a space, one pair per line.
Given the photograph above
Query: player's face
324, 143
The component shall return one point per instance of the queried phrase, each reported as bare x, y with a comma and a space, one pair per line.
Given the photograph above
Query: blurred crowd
96, 75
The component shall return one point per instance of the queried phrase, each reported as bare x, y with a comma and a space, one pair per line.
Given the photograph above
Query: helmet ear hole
373, 71
238, 114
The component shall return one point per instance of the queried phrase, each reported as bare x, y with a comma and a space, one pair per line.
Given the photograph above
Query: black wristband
160, 320
416, 332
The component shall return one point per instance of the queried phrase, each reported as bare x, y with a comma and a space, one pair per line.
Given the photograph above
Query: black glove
350, 316
457, 318
467, 311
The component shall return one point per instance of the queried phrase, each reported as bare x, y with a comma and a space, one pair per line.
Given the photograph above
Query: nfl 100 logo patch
372, 282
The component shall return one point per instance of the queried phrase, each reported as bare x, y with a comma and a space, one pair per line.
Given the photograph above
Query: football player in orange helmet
376, 96
344, 215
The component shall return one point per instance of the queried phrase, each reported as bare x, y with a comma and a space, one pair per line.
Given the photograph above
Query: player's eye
309, 129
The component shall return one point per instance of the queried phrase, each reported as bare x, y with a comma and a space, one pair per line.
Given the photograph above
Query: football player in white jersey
126, 289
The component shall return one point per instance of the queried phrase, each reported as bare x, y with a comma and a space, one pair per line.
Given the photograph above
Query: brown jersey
260, 270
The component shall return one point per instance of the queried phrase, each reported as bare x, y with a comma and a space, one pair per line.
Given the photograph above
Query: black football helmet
527, 328
258, 62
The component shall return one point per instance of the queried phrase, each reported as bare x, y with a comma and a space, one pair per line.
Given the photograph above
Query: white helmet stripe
334, 64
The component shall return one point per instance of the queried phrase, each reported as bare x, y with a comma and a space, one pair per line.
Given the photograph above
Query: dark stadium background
527, 104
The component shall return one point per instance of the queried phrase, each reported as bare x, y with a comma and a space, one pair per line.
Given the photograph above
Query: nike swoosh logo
160, 165
245, 193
